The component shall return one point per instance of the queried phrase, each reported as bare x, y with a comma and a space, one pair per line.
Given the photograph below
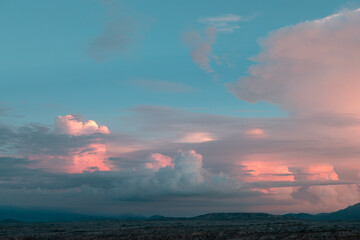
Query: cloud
255, 132
89, 158
197, 137
117, 35
302, 193
309, 68
184, 179
201, 44
4, 109
70, 125
242, 171
261, 168
158, 160
224, 23
70, 146
201, 48
306, 162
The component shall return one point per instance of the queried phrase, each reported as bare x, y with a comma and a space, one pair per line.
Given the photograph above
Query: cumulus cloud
70, 125
295, 153
89, 158
157, 160
308, 68
185, 179
70, 145
201, 48
233, 169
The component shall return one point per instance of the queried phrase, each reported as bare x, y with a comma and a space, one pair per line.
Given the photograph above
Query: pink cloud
308, 68
70, 125
158, 160
89, 158
311, 71
197, 137
315, 172
265, 167
255, 133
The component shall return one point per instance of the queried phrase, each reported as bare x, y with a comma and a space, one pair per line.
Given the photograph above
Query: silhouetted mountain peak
349, 213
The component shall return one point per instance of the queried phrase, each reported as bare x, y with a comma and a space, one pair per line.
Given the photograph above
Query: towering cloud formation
86, 157
311, 70
308, 68
189, 165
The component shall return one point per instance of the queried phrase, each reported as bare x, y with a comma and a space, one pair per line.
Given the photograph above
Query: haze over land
179, 109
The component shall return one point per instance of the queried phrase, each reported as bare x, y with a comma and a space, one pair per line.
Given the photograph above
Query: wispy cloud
117, 34
116, 37
202, 42
5, 109
201, 48
225, 23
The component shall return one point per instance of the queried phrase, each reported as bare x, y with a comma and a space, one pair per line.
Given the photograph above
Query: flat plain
183, 229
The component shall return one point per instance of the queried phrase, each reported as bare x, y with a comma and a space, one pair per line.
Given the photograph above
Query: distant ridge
223, 217
8, 220
236, 216
349, 213
49, 215
9, 214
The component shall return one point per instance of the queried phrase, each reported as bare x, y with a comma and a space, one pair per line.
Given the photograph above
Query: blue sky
46, 68
155, 107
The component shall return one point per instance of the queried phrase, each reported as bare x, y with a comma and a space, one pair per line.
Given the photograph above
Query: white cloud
70, 125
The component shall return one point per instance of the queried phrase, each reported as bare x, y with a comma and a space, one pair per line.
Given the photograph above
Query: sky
179, 108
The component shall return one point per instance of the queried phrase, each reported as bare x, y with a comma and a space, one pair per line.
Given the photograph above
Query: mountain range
13, 215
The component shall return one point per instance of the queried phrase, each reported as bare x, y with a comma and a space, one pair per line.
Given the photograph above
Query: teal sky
46, 68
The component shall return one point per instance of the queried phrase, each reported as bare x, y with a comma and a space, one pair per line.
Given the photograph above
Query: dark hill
349, 213
8, 220
237, 216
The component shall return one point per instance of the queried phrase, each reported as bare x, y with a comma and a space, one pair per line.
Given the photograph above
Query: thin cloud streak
225, 23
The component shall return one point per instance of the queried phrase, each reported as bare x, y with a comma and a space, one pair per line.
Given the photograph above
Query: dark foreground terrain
184, 229
342, 224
